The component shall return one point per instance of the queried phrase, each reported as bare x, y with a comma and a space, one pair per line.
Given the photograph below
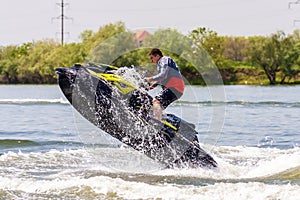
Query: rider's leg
157, 109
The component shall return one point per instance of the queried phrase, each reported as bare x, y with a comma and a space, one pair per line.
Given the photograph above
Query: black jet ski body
124, 111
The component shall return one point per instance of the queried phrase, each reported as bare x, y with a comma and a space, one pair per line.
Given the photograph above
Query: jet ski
123, 109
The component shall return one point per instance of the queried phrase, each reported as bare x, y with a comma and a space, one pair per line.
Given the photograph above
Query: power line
293, 2
290, 5
62, 17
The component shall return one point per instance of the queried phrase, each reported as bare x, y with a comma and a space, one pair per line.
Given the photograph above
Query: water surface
48, 151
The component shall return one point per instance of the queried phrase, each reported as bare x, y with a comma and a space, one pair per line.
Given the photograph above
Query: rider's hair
155, 52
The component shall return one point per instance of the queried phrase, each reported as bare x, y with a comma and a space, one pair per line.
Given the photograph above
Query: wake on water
34, 101
92, 173
235, 163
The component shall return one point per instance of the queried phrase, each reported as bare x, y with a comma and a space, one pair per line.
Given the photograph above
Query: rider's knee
155, 101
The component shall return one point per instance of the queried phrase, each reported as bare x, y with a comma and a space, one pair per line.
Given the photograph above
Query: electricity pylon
62, 17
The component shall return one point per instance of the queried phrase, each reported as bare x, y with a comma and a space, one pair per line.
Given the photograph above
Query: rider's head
154, 55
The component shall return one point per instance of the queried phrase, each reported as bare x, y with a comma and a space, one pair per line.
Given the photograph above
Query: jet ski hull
127, 117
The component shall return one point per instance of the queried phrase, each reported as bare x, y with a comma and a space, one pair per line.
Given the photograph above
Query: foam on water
242, 174
243, 163
34, 101
107, 187
234, 162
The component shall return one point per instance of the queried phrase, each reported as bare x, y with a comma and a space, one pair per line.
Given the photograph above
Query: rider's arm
162, 70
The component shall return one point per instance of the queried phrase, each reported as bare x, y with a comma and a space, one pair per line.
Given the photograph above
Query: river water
48, 151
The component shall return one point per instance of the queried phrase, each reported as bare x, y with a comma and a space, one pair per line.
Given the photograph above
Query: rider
169, 77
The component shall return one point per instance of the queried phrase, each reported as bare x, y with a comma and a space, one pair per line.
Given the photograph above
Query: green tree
235, 48
197, 55
277, 54
91, 41
210, 41
266, 53
86, 35
169, 39
32, 66
291, 59
115, 50
10, 58
207, 51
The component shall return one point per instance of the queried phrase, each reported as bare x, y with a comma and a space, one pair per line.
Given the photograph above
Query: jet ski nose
60, 70
68, 71
65, 71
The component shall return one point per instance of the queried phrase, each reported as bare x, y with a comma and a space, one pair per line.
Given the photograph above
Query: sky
32, 20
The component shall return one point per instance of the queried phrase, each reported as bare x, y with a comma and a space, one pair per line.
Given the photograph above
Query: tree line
273, 59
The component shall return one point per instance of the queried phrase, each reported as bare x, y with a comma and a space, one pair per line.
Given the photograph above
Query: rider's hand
153, 85
149, 79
